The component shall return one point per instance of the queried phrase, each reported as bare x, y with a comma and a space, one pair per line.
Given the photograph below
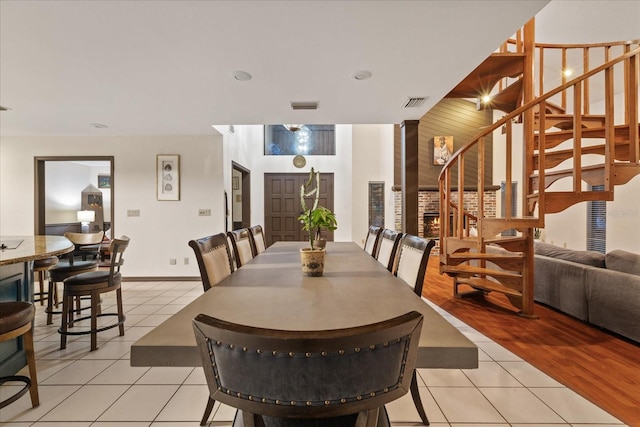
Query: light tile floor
79, 388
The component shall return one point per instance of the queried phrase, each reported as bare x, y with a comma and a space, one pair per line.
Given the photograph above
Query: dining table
271, 292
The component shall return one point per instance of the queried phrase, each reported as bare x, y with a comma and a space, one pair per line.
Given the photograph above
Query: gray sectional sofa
603, 290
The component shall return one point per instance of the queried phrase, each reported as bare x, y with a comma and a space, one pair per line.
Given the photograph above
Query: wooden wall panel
451, 117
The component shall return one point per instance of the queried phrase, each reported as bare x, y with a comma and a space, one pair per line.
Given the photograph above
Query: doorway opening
240, 196
67, 187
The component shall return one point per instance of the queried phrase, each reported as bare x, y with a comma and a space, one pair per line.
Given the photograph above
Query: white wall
373, 161
162, 230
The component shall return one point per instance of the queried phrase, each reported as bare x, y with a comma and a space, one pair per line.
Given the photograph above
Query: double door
282, 205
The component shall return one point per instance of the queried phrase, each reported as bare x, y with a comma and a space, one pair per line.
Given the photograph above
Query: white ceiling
165, 67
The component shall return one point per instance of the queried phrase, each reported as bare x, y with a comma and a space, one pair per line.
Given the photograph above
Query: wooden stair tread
470, 269
552, 139
485, 256
565, 121
489, 285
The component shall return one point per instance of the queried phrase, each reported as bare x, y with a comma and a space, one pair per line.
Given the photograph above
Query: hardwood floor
601, 367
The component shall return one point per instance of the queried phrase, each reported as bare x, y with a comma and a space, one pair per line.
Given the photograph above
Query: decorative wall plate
299, 161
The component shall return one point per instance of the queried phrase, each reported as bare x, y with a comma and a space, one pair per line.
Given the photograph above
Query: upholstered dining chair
387, 247
411, 267
93, 284
214, 258
340, 377
257, 238
215, 261
241, 242
371, 242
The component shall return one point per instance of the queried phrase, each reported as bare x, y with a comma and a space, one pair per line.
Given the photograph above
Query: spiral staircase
560, 137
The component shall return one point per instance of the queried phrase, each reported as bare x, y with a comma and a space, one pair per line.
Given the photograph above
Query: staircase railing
568, 59
535, 194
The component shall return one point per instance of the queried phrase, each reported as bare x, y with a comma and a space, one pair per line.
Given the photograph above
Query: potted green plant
313, 220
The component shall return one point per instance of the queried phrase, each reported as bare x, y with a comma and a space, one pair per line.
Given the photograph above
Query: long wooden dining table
271, 292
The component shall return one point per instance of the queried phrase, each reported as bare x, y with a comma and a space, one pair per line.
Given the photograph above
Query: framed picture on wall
104, 181
235, 183
442, 149
168, 176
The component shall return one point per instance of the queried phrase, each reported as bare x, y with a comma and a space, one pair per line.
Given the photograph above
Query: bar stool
16, 318
59, 273
94, 284
41, 266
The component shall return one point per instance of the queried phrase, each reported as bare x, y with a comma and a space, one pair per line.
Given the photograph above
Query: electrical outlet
172, 261
204, 212
133, 212
186, 260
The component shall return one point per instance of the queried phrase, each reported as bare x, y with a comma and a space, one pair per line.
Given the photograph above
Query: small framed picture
442, 149
235, 183
104, 181
168, 176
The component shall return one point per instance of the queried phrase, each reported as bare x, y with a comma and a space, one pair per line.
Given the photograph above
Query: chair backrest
314, 374
116, 250
81, 241
412, 260
241, 241
214, 259
387, 247
373, 237
257, 237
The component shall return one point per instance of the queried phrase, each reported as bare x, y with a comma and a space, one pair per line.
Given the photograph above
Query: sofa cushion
595, 259
623, 261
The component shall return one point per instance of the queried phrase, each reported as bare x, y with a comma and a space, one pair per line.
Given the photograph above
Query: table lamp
85, 217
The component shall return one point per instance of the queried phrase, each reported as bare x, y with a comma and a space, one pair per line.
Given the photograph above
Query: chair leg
120, 310
207, 411
415, 394
49, 310
65, 319
31, 361
95, 302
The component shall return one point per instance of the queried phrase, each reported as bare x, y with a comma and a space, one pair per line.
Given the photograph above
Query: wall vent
304, 105
415, 102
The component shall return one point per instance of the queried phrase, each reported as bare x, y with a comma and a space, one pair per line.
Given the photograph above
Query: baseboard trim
162, 279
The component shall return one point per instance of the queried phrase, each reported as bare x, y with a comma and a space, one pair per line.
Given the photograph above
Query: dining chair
241, 242
257, 238
411, 266
387, 247
373, 237
215, 261
316, 378
214, 258
93, 284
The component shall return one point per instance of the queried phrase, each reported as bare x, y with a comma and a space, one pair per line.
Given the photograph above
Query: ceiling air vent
415, 102
304, 105
4, 108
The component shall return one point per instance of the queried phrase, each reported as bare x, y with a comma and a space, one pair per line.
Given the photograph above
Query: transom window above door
305, 140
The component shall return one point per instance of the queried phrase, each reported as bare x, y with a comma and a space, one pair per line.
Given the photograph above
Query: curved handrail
517, 112
444, 182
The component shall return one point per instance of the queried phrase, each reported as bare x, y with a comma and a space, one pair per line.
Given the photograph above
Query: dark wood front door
282, 205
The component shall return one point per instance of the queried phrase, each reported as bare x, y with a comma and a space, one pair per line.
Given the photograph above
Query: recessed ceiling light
99, 126
361, 75
242, 76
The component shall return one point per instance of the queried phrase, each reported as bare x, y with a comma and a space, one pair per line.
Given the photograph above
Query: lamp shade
86, 216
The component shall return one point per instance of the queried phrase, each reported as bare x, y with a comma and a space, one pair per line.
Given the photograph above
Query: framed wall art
442, 149
104, 181
168, 176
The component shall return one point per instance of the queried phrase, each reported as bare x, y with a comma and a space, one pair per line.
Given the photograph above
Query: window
309, 140
376, 204
597, 223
